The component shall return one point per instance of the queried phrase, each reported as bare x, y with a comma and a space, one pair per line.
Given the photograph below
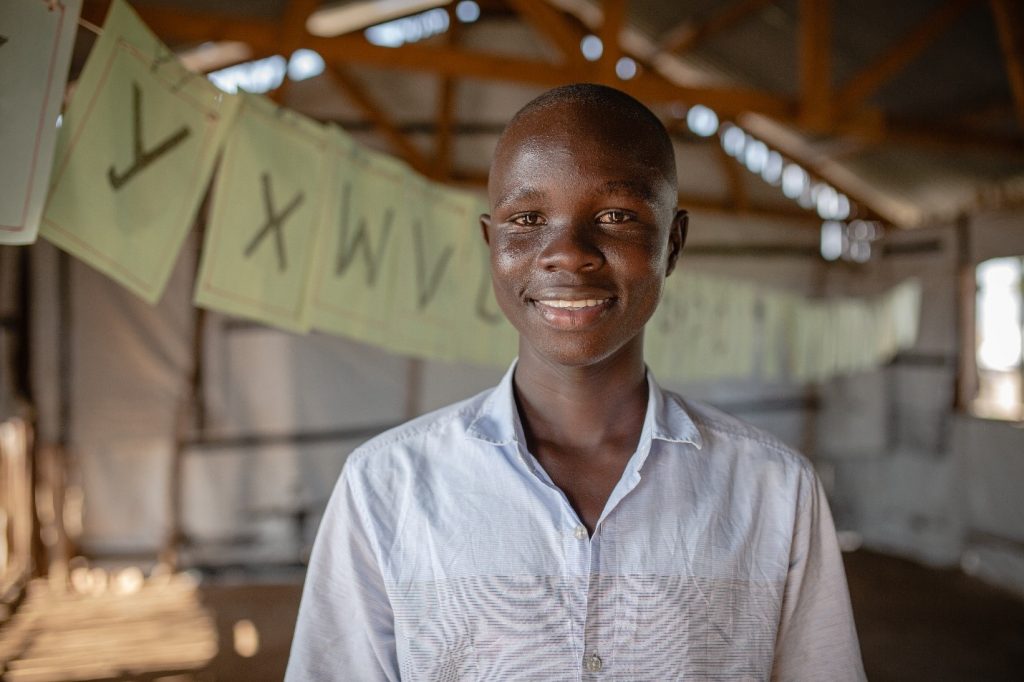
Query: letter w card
365, 217
134, 157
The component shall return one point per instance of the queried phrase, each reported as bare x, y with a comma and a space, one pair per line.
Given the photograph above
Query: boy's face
583, 231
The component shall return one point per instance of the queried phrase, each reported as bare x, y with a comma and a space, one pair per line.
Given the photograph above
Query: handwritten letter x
274, 222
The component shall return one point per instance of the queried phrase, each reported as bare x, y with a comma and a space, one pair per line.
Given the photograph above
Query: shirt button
592, 663
580, 532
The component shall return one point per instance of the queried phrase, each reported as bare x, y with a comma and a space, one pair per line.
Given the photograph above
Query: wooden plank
362, 99
815, 63
795, 215
950, 138
861, 86
727, 102
554, 25
443, 136
686, 36
1008, 17
262, 36
819, 167
292, 34
58, 634
734, 176
613, 20
442, 60
183, 26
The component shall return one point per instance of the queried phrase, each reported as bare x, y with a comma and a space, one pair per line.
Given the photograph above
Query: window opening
1000, 339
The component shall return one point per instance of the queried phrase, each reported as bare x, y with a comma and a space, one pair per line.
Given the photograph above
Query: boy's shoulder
445, 422
722, 432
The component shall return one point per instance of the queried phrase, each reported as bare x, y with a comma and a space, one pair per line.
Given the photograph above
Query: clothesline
89, 26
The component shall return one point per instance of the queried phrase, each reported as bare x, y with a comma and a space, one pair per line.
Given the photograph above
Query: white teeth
586, 303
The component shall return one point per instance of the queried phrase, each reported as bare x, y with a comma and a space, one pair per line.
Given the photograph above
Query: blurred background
163, 466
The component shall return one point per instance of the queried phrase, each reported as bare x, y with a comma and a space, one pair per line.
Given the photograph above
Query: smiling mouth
573, 305
572, 314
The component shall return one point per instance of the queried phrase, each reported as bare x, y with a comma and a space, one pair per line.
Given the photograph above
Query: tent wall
246, 498
903, 468
910, 472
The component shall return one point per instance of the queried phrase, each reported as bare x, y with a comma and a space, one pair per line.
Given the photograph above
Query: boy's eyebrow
518, 194
635, 188
639, 190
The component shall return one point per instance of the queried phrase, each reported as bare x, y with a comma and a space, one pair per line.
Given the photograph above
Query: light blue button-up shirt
447, 553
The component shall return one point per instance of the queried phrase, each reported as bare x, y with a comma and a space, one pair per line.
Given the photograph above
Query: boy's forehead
591, 136
553, 125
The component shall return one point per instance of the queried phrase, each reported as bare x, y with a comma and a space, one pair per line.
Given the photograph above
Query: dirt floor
915, 624
922, 624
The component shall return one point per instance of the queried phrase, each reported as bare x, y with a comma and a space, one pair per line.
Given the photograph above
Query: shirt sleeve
345, 628
817, 639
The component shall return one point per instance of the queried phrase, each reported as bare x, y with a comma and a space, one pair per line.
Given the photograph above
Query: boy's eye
528, 220
614, 217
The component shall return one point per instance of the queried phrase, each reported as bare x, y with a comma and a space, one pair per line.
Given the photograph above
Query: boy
577, 521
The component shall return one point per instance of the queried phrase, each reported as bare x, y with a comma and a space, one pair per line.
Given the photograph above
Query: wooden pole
815, 64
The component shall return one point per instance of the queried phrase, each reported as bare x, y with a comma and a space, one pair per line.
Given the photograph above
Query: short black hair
616, 103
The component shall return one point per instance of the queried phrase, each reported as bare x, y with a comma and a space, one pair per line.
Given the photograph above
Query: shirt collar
496, 421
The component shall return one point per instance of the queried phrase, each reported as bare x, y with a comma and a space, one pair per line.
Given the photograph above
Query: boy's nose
571, 248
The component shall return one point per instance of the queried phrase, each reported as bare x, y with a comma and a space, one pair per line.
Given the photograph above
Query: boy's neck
583, 407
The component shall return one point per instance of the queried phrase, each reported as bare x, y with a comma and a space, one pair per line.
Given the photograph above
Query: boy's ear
677, 238
485, 227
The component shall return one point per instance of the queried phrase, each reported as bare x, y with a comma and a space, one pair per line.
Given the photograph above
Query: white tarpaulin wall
911, 474
130, 365
900, 471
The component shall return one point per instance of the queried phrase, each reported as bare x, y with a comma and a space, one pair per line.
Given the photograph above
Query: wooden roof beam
445, 113
950, 139
815, 64
199, 27
796, 214
452, 61
1008, 21
555, 26
291, 34
263, 36
685, 36
613, 19
861, 86
362, 99
734, 178
727, 102
443, 138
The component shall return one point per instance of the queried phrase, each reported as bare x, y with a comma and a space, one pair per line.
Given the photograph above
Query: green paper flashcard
484, 335
262, 233
36, 41
703, 328
134, 157
777, 332
434, 292
365, 213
